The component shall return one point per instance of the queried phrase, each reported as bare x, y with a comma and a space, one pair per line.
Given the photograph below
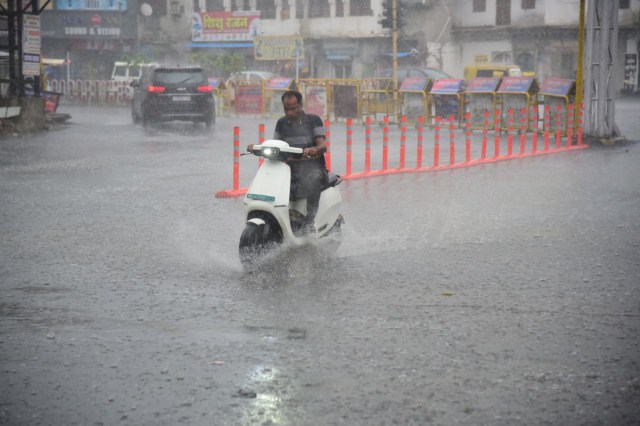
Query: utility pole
394, 41
601, 60
580, 71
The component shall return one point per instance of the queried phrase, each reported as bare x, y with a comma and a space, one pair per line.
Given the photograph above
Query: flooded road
502, 294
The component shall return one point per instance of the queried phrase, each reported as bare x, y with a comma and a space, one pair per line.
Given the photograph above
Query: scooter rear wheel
256, 242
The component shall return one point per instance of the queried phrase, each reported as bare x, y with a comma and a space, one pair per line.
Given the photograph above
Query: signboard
225, 26
276, 48
114, 5
447, 106
413, 106
479, 105
282, 83
631, 72
557, 86
451, 86
277, 86
215, 83
31, 45
557, 112
315, 100
482, 85
515, 84
248, 99
90, 30
414, 84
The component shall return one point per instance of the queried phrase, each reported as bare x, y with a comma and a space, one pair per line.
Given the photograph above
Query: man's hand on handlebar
311, 152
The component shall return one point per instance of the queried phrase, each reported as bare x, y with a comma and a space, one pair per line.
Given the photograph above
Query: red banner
225, 26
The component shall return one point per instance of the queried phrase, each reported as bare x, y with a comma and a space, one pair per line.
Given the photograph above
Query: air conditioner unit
175, 8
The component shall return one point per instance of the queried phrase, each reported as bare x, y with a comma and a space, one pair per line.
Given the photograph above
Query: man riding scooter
309, 174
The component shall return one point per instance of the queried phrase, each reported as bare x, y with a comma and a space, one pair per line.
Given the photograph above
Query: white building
538, 35
343, 38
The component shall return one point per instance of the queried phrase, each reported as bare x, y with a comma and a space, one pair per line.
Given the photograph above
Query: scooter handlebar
281, 153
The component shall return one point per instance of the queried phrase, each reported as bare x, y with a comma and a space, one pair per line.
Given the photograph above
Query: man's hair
292, 94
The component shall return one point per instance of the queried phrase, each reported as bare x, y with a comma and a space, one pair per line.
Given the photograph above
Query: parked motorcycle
272, 219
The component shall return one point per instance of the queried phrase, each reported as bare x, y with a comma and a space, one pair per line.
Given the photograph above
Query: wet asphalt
501, 294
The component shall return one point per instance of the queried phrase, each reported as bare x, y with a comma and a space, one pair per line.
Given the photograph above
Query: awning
219, 45
339, 51
401, 54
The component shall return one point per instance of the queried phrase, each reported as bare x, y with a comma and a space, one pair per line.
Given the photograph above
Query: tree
219, 65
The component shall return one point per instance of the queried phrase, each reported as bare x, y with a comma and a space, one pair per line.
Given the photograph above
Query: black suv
167, 94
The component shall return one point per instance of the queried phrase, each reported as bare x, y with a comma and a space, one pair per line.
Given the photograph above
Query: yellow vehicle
487, 69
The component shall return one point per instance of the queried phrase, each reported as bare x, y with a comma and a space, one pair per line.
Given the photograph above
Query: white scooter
272, 219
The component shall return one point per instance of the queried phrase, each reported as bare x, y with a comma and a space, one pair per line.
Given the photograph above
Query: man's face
292, 108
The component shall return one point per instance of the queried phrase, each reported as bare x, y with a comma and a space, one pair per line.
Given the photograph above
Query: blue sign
515, 84
450, 86
557, 86
414, 84
279, 83
115, 5
215, 82
483, 85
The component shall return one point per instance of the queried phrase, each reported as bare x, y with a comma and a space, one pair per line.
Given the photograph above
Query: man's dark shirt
301, 134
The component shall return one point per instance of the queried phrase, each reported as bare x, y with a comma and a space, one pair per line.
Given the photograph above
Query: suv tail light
205, 89
156, 89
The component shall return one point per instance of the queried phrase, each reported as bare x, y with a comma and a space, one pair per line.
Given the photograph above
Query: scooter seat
334, 179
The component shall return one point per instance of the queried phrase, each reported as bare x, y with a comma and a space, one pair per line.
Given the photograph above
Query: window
624, 4
503, 12
215, 5
568, 65
526, 62
319, 9
299, 9
242, 5
528, 4
479, 5
339, 8
267, 9
360, 8
159, 7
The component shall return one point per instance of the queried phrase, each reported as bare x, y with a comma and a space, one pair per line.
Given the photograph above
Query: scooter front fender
269, 192
271, 183
257, 221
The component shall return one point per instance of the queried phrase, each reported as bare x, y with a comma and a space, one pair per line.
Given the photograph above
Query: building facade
332, 38
538, 35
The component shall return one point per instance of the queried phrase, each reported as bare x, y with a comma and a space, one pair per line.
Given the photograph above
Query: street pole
297, 63
580, 72
394, 41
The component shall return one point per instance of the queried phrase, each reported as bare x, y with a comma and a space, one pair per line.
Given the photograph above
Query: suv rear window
168, 76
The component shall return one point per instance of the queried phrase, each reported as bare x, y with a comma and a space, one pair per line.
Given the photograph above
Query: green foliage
219, 65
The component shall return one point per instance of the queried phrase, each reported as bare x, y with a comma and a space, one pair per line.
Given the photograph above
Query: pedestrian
309, 174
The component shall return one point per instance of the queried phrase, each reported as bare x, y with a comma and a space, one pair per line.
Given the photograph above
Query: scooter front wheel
256, 242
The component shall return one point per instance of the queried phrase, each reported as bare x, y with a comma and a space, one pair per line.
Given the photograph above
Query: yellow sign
481, 58
276, 48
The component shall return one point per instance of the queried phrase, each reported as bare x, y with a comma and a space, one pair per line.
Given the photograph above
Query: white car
250, 76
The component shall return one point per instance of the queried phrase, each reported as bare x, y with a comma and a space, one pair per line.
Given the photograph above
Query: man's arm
319, 139
319, 148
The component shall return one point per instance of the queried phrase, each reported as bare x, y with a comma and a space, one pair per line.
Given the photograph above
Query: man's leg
311, 179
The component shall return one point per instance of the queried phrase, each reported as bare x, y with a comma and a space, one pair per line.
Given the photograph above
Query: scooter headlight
270, 152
